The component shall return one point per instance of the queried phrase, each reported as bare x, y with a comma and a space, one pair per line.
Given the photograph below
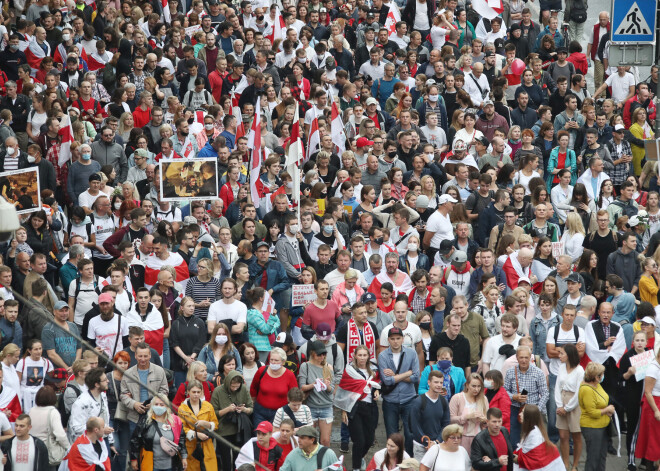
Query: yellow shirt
648, 290
592, 400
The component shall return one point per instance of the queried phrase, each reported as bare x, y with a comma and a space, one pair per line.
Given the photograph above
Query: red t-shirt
314, 315
561, 163
271, 392
500, 446
286, 449
89, 105
141, 117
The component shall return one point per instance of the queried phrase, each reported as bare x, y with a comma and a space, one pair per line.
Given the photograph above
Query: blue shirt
144, 394
404, 391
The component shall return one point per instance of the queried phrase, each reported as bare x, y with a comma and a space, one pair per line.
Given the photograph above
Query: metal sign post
632, 54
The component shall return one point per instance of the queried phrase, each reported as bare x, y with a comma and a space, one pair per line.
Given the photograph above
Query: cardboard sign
557, 249
302, 294
641, 363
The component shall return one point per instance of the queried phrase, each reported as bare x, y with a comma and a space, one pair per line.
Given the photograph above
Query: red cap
264, 427
364, 142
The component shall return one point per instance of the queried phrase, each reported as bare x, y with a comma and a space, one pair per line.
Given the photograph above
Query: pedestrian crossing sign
633, 20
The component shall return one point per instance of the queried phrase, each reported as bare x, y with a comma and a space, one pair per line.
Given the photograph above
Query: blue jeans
392, 412
122, 437
345, 433
515, 426
261, 414
179, 378
166, 354
553, 433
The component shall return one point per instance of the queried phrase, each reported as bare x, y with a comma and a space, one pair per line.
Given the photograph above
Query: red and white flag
188, 151
535, 454
236, 110
153, 326
166, 11
337, 465
337, 129
278, 28
254, 143
83, 457
393, 17
153, 264
66, 135
314, 140
488, 8
9, 402
35, 53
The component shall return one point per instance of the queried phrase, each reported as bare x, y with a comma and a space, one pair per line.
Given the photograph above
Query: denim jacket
404, 391
539, 333
206, 356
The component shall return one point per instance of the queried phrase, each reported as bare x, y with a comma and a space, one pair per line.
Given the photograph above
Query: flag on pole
314, 140
236, 112
294, 157
254, 143
393, 17
337, 129
166, 12
188, 150
488, 8
279, 27
66, 138
337, 465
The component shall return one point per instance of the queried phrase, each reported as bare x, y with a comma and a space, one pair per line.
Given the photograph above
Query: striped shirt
200, 291
11, 163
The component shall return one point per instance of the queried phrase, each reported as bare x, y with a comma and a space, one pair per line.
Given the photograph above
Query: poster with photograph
188, 179
21, 188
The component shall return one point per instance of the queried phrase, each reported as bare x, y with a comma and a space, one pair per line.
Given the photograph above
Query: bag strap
515, 370
114, 349
476, 82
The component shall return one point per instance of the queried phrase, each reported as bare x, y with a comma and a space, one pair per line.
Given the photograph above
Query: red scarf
354, 339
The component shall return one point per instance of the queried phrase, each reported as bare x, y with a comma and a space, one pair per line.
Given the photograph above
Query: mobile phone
523, 392
206, 244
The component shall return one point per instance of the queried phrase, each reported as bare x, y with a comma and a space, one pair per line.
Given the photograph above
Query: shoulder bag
56, 452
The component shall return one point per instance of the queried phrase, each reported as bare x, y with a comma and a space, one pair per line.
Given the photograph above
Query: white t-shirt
421, 16
23, 453
105, 334
103, 228
81, 230
4, 423
620, 86
87, 200
438, 36
492, 351
236, 311
412, 335
442, 227
562, 338
123, 302
37, 120
654, 372
437, 459
34, 372
84, 300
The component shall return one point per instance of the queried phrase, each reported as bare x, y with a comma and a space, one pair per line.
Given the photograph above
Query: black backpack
64, 415
579, 11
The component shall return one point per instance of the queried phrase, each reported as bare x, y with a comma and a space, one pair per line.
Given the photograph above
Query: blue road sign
633, 20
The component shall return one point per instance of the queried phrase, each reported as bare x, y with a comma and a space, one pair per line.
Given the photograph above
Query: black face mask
260, 18
391, 155
191, 120
379, 240
425, 325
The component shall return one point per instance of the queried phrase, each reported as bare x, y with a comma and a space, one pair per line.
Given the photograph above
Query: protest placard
302, 294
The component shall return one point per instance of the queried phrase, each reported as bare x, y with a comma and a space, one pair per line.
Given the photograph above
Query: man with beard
107, 332
144, 186
399, 279
495, 351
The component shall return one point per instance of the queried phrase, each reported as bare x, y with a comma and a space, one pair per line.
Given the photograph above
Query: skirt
648, 438
570, 421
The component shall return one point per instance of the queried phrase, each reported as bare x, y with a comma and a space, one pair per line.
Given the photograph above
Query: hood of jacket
625, 308
227, 382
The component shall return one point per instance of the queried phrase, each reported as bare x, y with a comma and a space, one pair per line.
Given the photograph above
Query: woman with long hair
125, 126
505, 247
561, 157
539, 195
489, 306
583, 205
648, 282
38, 234
551, 288
261, 327
469, 134
606, 194
527, 169
595, 416
250, 361
468, 408
219, 345
185, 334
587, 268
653, 212
196, 371
122, 433
568, 383
546, 141
146, 440
390, 457
394, 100
32, 370
198, 414
9, 357
535, 446
639, 131
573, 236
399, 190
457, 123
544, 263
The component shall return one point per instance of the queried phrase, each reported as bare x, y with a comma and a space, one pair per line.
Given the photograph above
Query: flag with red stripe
278, 28
66, 138
393, 17
254, 143
314, 140
337, 129
153, 326
153, 264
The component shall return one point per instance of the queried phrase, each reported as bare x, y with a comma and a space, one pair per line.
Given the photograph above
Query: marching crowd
413, 206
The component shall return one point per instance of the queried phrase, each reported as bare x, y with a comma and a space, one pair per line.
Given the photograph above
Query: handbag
168, 446
121, 412
386, 389
56, 452
522, 408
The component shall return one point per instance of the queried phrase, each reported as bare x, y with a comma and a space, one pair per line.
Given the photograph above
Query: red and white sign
301, 295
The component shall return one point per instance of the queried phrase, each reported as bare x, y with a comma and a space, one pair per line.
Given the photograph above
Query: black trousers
226, 455
362, 427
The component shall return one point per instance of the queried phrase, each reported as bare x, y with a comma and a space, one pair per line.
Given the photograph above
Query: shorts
322, 413
571, 421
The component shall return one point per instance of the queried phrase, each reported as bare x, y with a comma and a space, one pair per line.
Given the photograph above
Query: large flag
153, 264
9, 402
488, 8
35, 53
514, 271
279, 27
153, 326
294, 157
337, 129
314, 139
83, 457
236, 110
393, 17
188, 151
66, 135
166, 12
254, 143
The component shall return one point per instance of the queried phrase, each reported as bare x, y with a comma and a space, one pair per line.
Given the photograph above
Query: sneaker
632, 467
611, 450
343, 447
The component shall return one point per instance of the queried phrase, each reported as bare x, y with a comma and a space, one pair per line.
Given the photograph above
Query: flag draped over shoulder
513, 270
153, 264
83, 457
35, 53
353, 387
153, 326
535, 454
9, 401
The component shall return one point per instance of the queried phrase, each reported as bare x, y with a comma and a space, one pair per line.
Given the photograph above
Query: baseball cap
371, 14
371, 101
409, 463
264, 427
482, 140
283, 339
447, 199
489, 54
141, 152
369, 297
330, 63
59, 373
94, 177
188, 220
573, 277
619, 128
317, 347
514, 27
364, 142
524, 279
323, 10
562, 50
394, 331
445, 247
648, 320
430, 82
261, 244
323, 331
105, 298
459, 257
422, 202
488, 102
307, 431
60, 305
238, 64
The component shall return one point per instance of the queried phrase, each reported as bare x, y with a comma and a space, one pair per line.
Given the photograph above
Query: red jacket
579, 60
627, 115
502, 401
595, 40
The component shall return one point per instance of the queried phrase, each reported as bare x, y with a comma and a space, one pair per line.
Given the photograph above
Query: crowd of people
434, 216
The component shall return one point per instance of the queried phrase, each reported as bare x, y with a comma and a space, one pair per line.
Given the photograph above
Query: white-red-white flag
254, 143
278, 28
314, 140
337, 129
188, 151
393, 17
488, 8
66, 136
166, 12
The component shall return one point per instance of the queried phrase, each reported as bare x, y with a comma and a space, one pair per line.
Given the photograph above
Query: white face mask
208, 127
221, 339
289, 184
66, 37
31, 159
117, 205
275, 367
488, 384
294, 229
433, 98
10, 150
413, 247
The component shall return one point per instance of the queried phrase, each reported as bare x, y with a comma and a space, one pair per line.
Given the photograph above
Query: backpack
64, 415
576, 332
422, 406
626, 209
578, 12
78, 283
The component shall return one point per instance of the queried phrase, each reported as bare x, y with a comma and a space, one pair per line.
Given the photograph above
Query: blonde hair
451, 429
574, 224
423, 181
521, 291
9, 349
168, 408
194, 368
278, 351
593, 371
480, 401
122, 120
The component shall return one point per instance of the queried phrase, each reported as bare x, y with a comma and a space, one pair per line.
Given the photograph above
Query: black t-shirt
342, 335
600, 245
136, 235
460, 348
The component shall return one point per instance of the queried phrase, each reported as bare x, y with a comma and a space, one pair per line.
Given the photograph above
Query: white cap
524, 279
648, 320
447, 199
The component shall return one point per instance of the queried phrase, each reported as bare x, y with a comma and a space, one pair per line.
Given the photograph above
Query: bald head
478, 68
525, 257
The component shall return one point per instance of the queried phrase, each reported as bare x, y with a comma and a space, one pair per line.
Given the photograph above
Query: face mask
302, 60
488, 384
289, 184
86, 156
159, 410
191, 120
275, 367
10, 150
294, 229
221, 339
433, 98
208, 127
13, 47
379, 241
444, 364
391, 155
66, 37
314, 182
117, 206
602, 378
425, 325
31, 159
328, 229
413, 247
430, 156
320, 58
260, 18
